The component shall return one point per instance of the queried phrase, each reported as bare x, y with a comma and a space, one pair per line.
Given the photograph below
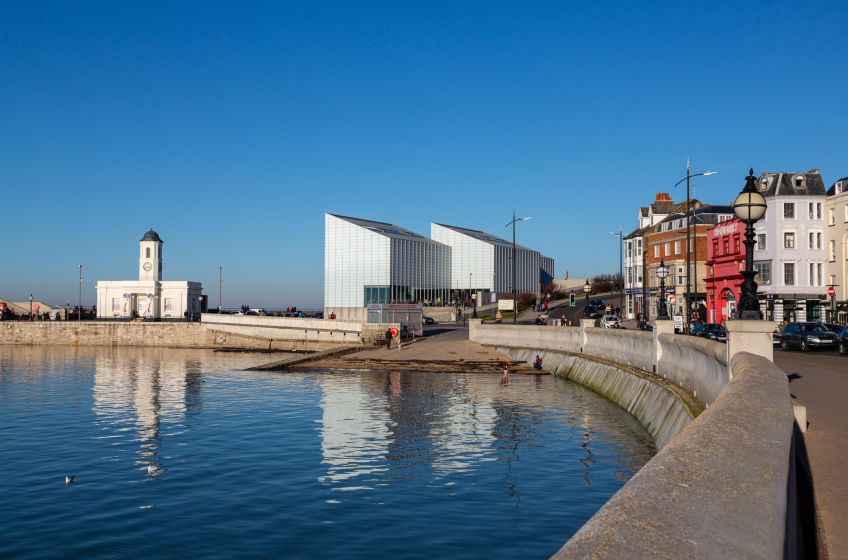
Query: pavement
819, 380
442, 342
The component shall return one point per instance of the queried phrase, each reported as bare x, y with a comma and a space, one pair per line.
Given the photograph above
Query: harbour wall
213, 331
722, 486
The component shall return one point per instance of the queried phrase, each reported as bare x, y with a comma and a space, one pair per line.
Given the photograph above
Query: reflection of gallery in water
149, 297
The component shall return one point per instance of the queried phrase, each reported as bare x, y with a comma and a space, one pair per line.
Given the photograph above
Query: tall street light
689, 248
514, 294
662, 274
749, 207
620, 265
473, 298
219, 289
79, 313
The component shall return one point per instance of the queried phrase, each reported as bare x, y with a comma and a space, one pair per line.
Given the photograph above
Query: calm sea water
299, 465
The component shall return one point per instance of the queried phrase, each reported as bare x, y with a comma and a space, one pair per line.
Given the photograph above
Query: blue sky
231, 130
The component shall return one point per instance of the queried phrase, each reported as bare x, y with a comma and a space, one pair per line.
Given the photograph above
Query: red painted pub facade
725, 262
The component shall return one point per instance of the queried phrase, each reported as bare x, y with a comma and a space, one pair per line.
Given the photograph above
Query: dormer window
799, 181
838, 187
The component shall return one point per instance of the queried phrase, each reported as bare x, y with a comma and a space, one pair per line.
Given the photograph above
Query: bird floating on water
69, 479
151, 469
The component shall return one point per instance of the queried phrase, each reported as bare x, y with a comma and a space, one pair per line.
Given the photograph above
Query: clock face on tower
148, 267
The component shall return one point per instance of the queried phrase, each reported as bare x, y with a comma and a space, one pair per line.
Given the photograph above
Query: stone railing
720, 489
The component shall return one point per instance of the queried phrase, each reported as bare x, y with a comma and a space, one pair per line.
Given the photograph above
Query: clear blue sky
231, 130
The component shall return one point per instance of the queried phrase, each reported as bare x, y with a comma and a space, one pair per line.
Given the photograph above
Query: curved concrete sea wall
696, 364
663, 413
626, 347
717, 490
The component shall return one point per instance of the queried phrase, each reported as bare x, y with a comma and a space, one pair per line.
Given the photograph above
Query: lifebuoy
394, 332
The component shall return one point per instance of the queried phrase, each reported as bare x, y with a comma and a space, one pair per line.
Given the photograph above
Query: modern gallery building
368, 262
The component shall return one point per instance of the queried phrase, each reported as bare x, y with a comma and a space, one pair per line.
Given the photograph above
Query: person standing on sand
389, 338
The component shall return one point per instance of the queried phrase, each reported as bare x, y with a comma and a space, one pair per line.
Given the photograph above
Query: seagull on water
69, 479
151, 469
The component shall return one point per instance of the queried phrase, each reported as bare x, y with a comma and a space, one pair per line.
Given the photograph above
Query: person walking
498, 317
389, 338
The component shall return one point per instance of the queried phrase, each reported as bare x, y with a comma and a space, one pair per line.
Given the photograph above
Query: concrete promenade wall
305, 331
567, 339
696, 364
717, 490
626, 347
92, 333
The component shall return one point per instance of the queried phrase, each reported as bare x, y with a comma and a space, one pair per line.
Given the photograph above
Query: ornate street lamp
749, 207
587, 288
662, 274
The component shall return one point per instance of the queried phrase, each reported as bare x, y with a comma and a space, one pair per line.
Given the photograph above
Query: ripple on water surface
256, 464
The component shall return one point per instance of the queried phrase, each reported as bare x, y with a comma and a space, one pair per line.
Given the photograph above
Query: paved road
819, 380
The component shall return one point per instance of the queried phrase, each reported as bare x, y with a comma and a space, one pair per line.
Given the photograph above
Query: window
148, 252
677, 247
667, 249
680, 280
169, 305
761, 242
832, 216
788, 240
657, 251
726, 247
812, 274
819, 274
832, 250
789, 274
715, 248
812, 240
812, 208
629, 249
639, 274
712, 271
818, 240
116, 305
638, 247
737, 244
789, 211
799, 181
763, 270
838, 187
818, 211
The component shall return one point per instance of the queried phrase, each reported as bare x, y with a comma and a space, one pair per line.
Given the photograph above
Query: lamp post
473, 297
662, 274
219, 289
514, 294
620, 265
749, 207
79, 313
30, 307
587, 288
689, 270
201, 304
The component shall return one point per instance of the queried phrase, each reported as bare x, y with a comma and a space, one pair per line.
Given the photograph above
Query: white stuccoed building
149, 297
791, 243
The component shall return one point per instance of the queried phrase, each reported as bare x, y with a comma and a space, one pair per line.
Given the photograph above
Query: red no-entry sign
830, 291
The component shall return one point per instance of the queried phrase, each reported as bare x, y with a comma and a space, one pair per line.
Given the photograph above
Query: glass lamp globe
587, 287
749, 206
662, 271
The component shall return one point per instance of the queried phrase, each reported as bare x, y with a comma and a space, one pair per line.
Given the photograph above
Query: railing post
754, 337
660, 327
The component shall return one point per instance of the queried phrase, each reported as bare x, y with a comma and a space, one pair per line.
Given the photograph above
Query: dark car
714, 331
428, 320
702, 329
319, 315
590, 311
597, 302
646, 327
834, 327
843, 342
807, 336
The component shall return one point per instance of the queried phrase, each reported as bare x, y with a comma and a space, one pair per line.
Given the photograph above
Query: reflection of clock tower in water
150, 261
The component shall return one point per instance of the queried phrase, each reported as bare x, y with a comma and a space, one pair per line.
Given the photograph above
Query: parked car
715, 332
428, 320
597, 302
296, 315
843, 343
776, 338
834, 327
319, 315
702, 328
808, 336
590, 311
646, 327
609, 321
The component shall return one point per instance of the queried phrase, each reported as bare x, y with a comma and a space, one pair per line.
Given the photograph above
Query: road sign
36, 307
830, 291
671, 298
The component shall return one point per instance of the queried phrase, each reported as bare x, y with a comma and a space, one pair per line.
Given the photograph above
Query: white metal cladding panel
471, 260
353, 258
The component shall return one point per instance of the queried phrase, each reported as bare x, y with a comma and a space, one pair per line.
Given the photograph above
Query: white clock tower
150, 261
